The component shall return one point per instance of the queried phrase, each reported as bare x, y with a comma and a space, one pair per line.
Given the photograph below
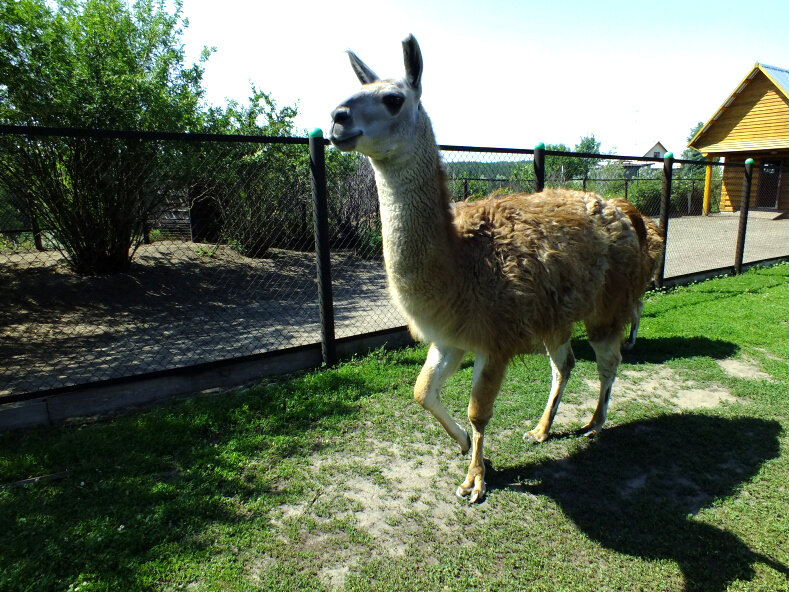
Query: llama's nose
341, 115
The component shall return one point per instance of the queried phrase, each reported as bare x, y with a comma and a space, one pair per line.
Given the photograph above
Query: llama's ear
412, 56
362, 70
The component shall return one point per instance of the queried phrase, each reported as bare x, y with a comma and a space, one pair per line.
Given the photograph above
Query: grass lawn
339, 480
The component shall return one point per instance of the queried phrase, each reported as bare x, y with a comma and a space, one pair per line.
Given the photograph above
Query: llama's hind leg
562, 363
608, 359
442, 362
638, 308
488, 374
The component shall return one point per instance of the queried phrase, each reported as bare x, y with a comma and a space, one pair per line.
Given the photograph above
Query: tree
252, 192
561, 169
97, 64
689, 170
261, 192
588, 145
93, 64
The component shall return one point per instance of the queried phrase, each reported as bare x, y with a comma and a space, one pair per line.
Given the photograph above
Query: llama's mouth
345, 143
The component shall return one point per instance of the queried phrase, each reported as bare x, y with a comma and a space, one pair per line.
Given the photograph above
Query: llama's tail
649, 239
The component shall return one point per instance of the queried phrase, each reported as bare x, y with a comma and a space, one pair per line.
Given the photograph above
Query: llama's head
380, 120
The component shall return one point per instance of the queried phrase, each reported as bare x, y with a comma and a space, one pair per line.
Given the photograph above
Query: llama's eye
393, 102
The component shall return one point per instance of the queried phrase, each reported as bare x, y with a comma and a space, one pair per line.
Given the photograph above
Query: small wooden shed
753, 122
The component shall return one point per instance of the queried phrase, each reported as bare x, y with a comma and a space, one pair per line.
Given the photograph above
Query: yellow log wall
732, 182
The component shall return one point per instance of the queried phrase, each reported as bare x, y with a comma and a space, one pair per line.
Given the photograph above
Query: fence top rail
595, 156
591, 155
455, 148
34, 130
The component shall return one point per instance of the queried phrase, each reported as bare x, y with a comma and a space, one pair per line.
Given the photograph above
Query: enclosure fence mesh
121, 257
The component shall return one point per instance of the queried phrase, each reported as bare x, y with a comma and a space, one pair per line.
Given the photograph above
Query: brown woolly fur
501, 277
539, 263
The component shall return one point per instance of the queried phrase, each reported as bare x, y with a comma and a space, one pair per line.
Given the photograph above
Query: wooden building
753, 122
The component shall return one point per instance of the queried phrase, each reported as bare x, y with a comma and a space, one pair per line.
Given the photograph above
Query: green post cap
668, 155
316, 133
749, 161
540, 146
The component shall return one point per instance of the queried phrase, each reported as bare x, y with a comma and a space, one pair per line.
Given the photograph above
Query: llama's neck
415, 215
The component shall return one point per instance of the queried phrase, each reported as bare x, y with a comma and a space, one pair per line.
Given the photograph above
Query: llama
500, 277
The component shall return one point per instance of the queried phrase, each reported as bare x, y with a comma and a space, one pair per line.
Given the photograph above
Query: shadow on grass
635, 489
656, 350
153, 498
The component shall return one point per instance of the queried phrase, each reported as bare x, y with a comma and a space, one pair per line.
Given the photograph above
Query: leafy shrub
354, 220
645, 194
371, 244
264, 199
94, 196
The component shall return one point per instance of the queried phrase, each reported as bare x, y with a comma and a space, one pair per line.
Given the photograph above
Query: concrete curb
109, 396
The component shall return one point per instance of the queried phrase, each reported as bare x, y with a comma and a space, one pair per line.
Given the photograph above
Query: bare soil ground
177, 306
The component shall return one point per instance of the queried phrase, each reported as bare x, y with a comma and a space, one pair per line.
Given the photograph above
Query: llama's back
542, 262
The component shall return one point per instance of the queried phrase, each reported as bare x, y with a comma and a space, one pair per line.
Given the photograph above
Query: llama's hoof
474, 494
627, 346
589, 431
535, 436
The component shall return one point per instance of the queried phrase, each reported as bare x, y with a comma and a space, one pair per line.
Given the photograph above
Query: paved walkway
698, 243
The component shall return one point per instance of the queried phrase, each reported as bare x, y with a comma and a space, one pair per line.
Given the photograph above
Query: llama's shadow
636, 488
658, 350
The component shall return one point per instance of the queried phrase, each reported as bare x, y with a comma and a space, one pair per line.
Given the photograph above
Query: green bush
10, 216
645, 194
264, 199
371, 244
607, 180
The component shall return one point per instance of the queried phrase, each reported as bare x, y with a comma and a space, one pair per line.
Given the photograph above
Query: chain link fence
129, 254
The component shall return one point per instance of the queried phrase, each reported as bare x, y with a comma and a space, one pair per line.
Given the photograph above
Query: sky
501, 73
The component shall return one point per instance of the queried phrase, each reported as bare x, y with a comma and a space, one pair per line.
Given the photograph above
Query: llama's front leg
442, 362
562, 363
488, 374
638, 308
608, 359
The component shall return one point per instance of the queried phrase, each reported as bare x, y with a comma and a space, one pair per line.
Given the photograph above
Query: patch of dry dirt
662, 386
748, 369
174, 307
392, 496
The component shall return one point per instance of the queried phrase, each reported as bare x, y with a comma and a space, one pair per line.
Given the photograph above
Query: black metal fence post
745, 206
539, 167
321, 223
665, 206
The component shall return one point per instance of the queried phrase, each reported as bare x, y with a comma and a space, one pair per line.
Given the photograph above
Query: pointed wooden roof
754, 117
